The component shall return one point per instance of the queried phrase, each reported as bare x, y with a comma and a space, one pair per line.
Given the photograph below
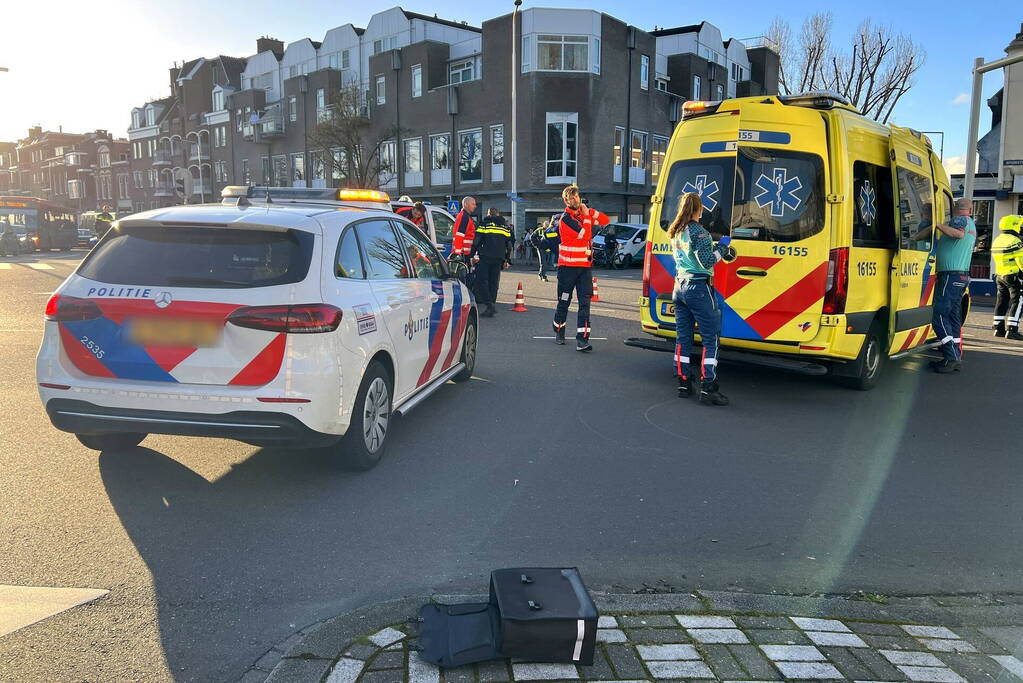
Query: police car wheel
110, 442
871, 360
364, 443
468, 351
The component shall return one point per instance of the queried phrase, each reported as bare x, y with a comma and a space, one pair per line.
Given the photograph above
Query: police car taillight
838, 281
70, 308
296, 319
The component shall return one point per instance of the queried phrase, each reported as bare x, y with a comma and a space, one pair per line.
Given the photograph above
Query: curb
308, 654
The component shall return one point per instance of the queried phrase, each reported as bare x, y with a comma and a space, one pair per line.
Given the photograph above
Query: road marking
22, 606
5, 266
39, 266
591, 338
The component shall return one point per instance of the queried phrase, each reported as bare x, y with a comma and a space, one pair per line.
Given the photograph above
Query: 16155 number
782, 250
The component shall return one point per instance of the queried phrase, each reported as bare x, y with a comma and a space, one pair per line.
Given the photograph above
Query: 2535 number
92, 346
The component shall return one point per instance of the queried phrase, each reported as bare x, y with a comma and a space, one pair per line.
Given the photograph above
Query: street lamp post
514, 115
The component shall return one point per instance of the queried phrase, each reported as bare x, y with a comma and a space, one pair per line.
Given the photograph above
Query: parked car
631, 238
86, 238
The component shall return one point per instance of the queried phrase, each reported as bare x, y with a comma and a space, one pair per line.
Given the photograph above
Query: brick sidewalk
672, 646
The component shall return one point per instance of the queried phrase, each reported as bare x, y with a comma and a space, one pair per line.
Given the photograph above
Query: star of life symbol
868, 203
778, 191
705, 190
163, 299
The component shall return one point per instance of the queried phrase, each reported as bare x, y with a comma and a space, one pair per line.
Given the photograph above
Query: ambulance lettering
911, 269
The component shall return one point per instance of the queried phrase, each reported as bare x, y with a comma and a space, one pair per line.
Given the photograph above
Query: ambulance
831, 216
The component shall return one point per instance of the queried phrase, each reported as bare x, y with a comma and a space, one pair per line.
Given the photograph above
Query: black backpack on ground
540, 615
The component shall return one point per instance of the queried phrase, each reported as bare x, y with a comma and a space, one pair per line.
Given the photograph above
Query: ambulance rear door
913, 265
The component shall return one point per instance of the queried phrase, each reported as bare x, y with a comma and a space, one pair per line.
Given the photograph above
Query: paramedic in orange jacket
465, 229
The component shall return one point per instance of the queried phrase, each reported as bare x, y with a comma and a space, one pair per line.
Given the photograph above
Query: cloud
961, 98
955, 165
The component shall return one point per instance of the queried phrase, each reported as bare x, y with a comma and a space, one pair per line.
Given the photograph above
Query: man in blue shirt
954, 250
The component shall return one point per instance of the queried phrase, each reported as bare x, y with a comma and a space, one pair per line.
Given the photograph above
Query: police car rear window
199, 257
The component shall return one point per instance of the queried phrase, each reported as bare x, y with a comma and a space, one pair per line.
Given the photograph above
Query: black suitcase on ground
542, 615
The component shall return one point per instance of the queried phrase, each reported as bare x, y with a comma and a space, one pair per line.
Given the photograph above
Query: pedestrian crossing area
65, 265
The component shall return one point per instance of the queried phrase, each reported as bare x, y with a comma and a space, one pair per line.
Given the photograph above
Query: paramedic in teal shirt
954, 250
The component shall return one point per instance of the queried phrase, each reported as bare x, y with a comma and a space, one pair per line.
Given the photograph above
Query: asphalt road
213, 551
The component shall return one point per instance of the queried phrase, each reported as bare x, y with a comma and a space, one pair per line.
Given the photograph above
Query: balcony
163, 189
162, 157
272, 126
198, 152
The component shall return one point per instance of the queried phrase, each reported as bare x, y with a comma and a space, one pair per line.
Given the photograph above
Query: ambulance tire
869, 365
111, 442
469, 342
363, 445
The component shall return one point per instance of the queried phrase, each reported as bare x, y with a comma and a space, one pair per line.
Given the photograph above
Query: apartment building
597, 102
83, 172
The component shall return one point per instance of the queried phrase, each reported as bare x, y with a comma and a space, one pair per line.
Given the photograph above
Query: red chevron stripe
909, 340
928, 288
435, 347
457, 330
728, 282
790, 303
82, 357
265, 366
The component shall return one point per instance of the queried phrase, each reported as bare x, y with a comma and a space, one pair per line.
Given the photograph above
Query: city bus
50, 226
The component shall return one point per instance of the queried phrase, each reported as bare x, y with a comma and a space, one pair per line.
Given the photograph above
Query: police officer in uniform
493, 246
1007, 251
575, 264
103, 221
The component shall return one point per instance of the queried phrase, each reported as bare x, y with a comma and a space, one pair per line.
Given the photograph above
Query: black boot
488, 311
493, 309
945, 367
685, 387
1014, 334
999, 329
710, 395
583, 345
559, 335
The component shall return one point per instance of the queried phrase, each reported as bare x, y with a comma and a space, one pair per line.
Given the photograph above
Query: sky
84, 65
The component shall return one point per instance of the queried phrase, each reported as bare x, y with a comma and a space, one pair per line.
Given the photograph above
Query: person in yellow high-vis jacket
1007, 252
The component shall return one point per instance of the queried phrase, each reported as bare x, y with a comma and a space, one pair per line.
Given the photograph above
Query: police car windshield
199, 257
760, 194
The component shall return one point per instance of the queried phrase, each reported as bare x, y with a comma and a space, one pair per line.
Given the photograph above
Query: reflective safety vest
1007, 251
464, 234
576, 232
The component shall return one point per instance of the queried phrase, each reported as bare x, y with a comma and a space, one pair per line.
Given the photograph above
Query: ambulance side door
912, 270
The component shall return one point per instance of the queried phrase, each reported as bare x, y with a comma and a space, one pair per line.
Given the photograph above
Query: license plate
173, 332
668, 309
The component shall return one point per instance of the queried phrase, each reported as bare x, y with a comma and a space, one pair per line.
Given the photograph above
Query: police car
281, 316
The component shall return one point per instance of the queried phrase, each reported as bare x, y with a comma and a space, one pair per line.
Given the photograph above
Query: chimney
268, 44
35, 132
1017, 44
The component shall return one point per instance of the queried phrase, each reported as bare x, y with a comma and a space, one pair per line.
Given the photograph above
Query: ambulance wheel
870, 363
110, 442
363, 445
468, 351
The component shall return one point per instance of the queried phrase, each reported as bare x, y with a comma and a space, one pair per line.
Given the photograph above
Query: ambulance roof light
693, 108
818, 99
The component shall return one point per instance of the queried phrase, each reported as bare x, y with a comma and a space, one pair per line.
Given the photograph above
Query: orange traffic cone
520, 301
596, 293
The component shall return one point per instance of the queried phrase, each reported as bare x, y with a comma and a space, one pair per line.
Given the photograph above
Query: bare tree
352, 149
873, 74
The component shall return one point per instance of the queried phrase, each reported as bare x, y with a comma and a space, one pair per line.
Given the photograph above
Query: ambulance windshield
760, 194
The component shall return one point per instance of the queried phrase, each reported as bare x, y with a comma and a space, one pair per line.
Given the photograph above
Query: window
417, 80
218, 100
460, 72
346, 59
873, 211
123, 191
719, 92
378, 46
596, 55
292, 108
497, 144
388, 162
264, 168
348, 263
637, 154
200, 257
661, 84
137, 177
644, 72
562, 146
136, 119
280, 170
470, 156
443, 227
562, 53
321, 99
150, 117
152, 178
738, 73
220, 136
150, 147
426, 262
440, 152
332, 61
318, 172
384, 256
696, 88
220, 171
526, 54
413, 154
616, 153
246, 177
104, 156
338, 166
298, 170
381, 90
657, 153
239, 121
916, 212
74, 189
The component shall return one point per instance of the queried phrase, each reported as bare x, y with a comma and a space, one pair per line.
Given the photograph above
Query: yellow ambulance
831, 217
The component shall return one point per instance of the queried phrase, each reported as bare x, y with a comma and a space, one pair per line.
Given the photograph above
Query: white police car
280, 317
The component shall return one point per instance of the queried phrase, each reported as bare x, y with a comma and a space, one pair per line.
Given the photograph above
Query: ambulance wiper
186, 280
